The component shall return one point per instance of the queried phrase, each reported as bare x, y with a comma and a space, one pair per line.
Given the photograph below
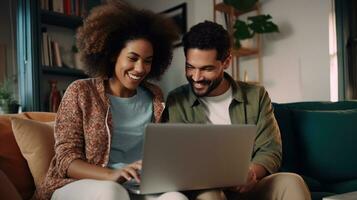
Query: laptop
178, 157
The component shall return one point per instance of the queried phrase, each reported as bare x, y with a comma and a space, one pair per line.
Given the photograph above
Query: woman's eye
148, 61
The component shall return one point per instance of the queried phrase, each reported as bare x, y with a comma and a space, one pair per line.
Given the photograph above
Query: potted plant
258, 24
7, 103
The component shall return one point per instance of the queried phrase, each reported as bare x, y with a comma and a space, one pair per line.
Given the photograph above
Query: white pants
106, 190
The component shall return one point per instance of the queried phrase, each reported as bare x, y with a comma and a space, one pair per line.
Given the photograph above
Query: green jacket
250, 105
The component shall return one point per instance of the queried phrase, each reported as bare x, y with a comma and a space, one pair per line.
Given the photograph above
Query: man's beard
211, 85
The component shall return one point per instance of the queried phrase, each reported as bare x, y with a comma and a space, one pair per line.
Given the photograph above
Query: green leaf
241, 30
5, 90
261, 24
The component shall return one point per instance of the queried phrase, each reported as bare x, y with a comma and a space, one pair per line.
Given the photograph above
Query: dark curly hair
208, 35
109, 27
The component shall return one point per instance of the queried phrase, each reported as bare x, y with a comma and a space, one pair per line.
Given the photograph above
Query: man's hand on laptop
251, 182
127, 173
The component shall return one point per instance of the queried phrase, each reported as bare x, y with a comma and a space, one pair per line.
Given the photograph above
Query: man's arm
267, 149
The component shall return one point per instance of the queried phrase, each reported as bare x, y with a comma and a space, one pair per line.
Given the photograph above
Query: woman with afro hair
100, 122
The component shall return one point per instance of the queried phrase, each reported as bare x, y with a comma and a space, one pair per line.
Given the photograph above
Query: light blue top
130, 115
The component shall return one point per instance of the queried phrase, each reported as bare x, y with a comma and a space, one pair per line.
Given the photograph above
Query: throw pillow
327, 140
36, 142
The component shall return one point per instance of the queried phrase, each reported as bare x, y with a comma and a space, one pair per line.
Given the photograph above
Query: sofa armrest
7, 189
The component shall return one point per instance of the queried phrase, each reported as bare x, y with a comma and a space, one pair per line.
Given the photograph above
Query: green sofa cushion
328, 140
343, 187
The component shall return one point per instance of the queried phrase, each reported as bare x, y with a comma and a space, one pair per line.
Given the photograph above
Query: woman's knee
112, 191
172, 196
211, 195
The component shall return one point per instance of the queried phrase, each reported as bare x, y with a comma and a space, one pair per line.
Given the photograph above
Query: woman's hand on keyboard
127, 173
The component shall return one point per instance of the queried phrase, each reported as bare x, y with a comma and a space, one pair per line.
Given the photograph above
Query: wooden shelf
252, 82
244, 52
63, 71
222, 7
59, 19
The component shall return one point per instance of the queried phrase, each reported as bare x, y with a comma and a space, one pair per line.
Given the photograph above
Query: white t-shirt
217, 107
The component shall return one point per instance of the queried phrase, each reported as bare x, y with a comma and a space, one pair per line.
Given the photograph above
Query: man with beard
212, 96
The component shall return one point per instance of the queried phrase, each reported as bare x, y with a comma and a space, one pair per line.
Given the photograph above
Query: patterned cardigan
80, 130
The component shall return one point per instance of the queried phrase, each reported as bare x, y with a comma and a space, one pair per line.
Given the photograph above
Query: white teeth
134, 77
198, 85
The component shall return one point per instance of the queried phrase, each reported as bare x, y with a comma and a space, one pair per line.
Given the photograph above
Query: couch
320, 143
12, 162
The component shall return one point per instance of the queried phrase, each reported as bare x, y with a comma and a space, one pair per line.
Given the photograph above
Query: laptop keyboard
131, 183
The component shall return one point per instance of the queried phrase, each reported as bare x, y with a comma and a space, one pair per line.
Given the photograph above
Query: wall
8, 39
295, 64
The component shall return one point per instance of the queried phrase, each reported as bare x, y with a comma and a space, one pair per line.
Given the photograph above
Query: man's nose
197, 76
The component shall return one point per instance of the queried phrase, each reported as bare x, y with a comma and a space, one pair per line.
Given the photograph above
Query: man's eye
189, 67
132, 58
208, 69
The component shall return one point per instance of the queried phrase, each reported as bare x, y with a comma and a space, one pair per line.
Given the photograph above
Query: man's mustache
205, 82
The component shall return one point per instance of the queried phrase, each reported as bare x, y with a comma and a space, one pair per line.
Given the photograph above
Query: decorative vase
248, 43
55, 97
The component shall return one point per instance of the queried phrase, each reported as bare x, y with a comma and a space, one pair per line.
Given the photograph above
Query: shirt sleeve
267, 149
69, 136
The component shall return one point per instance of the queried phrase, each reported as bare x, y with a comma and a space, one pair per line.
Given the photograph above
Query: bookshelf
57, 38
59, 19
63, 71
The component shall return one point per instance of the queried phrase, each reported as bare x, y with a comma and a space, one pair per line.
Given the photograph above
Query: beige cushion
36, 143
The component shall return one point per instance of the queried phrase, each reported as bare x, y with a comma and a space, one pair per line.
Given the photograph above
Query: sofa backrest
319, 138
12, 163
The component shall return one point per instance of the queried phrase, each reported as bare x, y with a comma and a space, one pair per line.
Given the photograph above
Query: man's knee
287, 186
288, 179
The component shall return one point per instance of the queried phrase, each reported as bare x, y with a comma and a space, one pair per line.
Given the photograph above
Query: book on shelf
67, 7
44, 48
50, 51
56, 54
57, 6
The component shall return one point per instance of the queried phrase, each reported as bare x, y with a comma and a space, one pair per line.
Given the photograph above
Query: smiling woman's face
133, 64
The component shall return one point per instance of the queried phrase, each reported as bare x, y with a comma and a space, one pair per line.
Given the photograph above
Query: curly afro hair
108, 28
208, 35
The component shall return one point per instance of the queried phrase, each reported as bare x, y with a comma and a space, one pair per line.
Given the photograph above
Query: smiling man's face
205, 73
